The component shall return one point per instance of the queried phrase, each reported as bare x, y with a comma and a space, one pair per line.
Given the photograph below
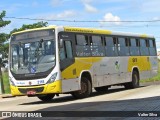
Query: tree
30, 26
3, 47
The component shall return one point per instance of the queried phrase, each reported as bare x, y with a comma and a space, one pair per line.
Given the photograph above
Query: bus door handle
74, 71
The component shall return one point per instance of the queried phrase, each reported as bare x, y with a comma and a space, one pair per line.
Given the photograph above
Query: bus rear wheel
85, 91
46, 98
101, 89
135, 81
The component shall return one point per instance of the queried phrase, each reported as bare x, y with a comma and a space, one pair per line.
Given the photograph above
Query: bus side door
67, 55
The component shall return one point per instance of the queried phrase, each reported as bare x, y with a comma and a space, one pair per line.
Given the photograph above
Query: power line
125, 21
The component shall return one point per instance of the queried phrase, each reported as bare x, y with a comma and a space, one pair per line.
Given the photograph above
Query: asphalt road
119, 102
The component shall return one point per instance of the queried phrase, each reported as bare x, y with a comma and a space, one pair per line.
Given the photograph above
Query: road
141, 99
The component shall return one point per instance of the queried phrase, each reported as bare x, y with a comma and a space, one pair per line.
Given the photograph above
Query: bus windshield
32, 55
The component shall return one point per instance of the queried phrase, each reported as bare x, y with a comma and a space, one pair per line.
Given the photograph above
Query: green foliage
3, 38
156, 78
3, 23
30, 26
3, 48
6, 83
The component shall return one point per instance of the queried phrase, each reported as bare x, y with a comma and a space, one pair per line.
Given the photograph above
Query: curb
6, 96
150, 83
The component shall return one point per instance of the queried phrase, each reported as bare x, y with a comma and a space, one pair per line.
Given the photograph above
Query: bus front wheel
85, 91
46, 98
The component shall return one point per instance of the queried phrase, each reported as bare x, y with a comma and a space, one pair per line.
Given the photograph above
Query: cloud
66, 14
56, 3
151, 6
88, 7
156, 18
12, 8
158, 45
53, 16
35, 4
110, 17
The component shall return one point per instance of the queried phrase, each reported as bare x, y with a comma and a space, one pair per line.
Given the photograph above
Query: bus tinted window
152, 48
143, 47
82, 46
123, 49
96, 40
97, 47
81, 40
68, 46
137, 43
134, 48
111, 46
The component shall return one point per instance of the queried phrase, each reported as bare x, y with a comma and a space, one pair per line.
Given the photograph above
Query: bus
53, 60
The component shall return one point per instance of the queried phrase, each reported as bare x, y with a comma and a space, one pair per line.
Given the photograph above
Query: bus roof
108, 32
29, 30
89, 30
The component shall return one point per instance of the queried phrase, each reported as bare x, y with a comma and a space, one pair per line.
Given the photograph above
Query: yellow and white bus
53, 60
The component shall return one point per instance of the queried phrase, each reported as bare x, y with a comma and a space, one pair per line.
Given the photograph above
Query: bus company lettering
79, 30
88, 54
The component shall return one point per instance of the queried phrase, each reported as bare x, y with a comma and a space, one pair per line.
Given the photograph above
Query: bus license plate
31, 92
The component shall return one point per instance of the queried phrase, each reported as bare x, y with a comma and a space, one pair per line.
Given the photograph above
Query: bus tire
101, 89
135, 81
85, 91
46, 98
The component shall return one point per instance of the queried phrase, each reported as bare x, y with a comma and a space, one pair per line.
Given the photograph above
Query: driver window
66, 51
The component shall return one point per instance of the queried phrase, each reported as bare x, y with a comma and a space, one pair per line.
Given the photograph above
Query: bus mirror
61, 43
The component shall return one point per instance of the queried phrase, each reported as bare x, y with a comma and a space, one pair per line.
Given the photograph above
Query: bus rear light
52, 78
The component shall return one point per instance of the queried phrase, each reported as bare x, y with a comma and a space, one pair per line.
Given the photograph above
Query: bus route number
40, 81
134, 60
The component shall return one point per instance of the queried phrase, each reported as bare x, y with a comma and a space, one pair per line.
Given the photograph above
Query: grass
156, 78
6, 83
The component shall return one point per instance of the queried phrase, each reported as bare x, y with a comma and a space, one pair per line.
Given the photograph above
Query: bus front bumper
54, 87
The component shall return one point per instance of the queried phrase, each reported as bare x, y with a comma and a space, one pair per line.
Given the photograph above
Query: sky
87, 10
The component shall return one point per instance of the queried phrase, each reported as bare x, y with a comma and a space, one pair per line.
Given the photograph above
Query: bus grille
37, 90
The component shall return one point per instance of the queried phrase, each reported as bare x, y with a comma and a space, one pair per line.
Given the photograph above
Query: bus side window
82, 46
111, 46
134, 48
143, 47
66, 54
123, 48
66, 51
152, 47
62, 54
97, 46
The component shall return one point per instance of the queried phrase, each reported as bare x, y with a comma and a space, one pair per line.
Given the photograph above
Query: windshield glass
32, 56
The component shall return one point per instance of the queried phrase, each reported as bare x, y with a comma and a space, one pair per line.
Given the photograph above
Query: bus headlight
52, 78
11, 81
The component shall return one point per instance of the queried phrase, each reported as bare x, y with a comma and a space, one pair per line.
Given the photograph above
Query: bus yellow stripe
142, 62
84, 63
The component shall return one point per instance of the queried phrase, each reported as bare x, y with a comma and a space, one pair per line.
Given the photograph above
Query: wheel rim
136, 79
83, 88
